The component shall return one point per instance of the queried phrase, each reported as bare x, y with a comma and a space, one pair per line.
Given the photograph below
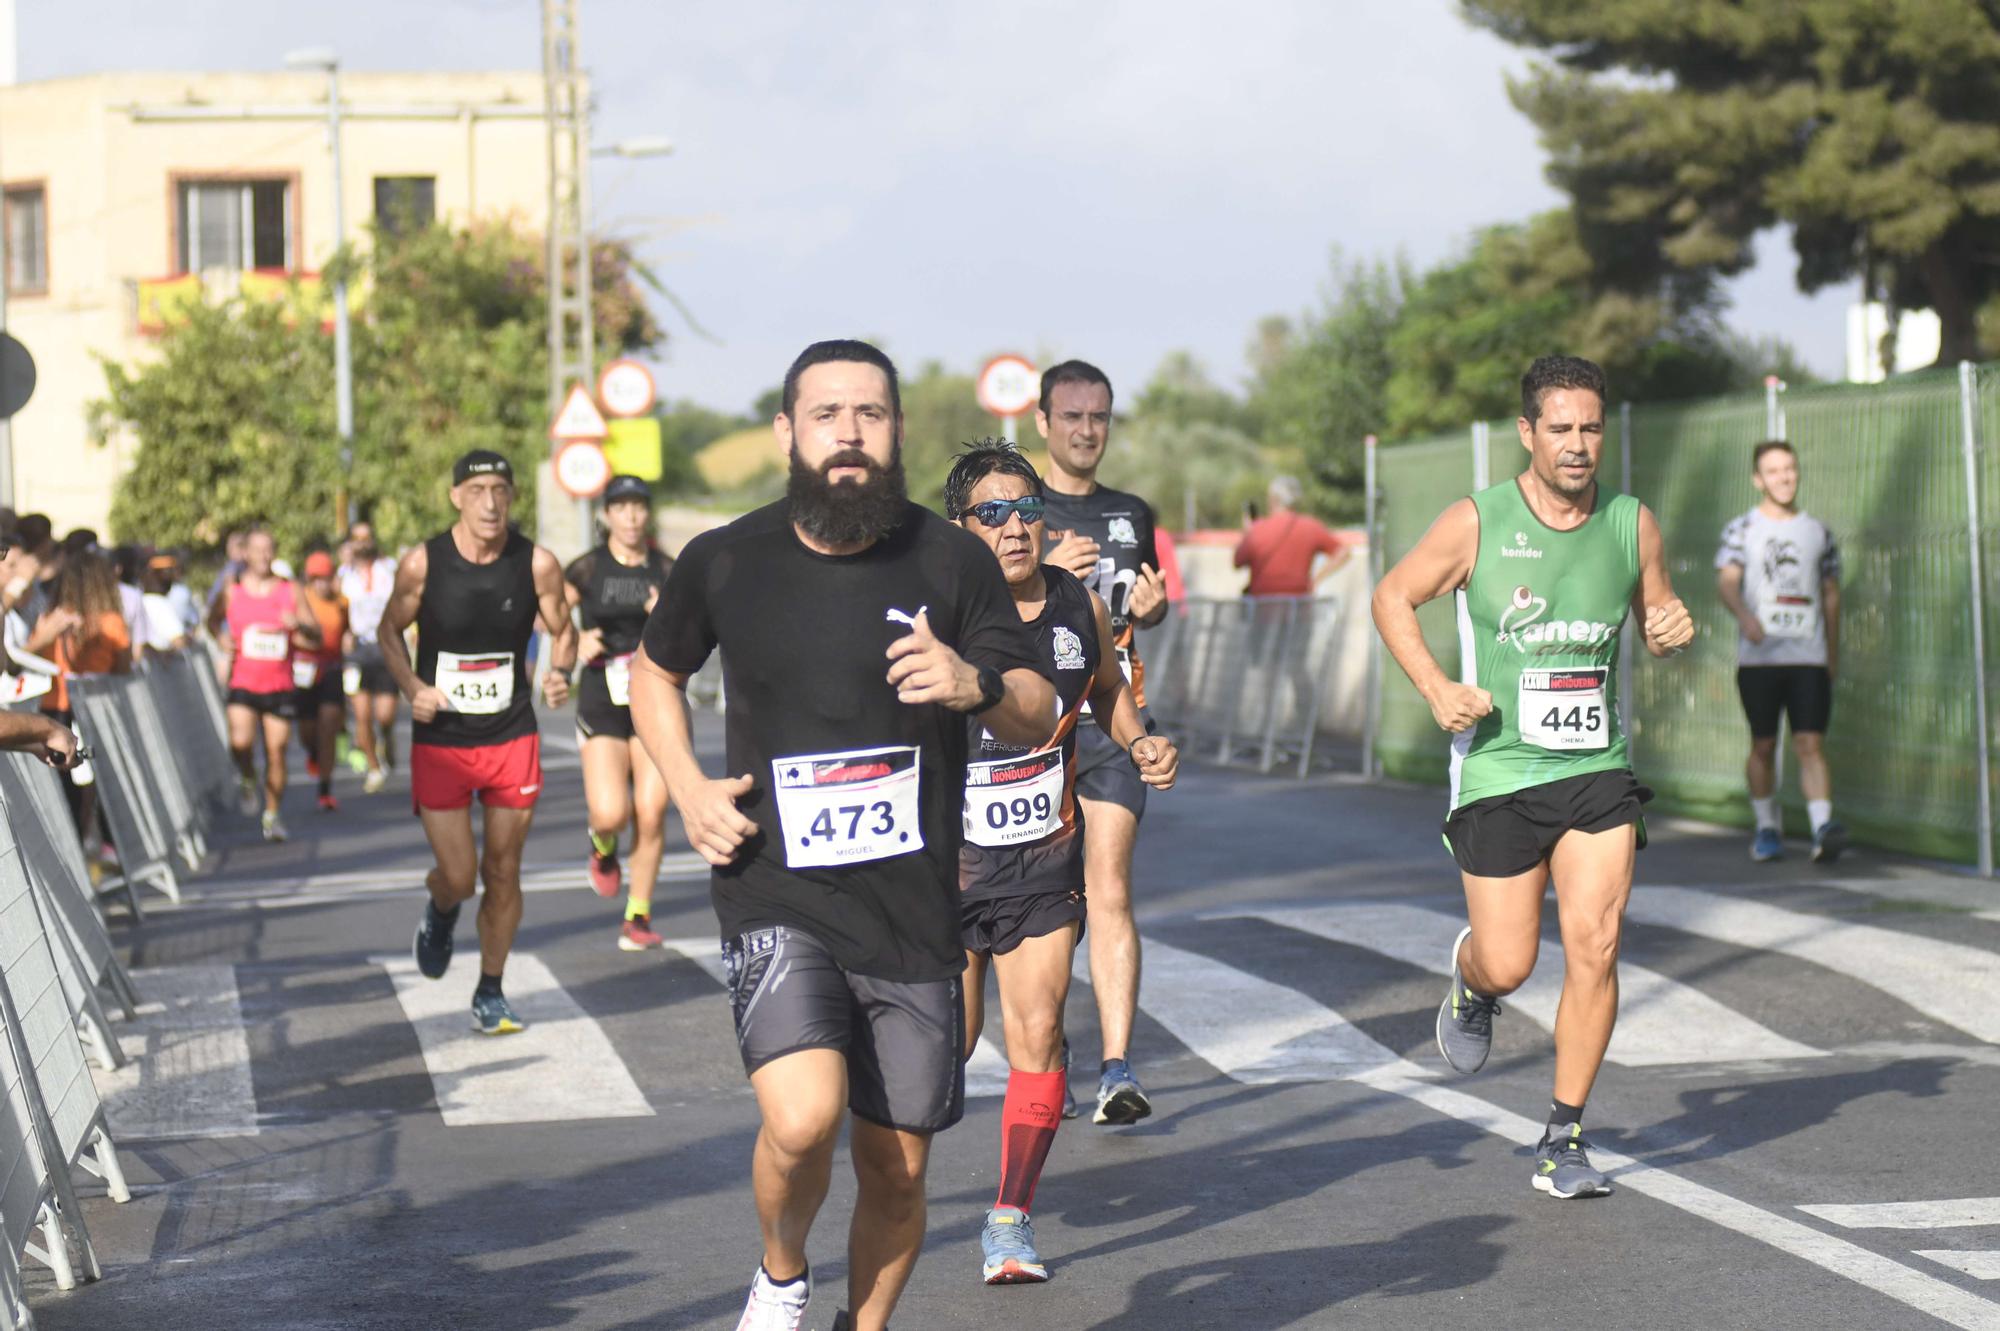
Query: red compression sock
1028, 1122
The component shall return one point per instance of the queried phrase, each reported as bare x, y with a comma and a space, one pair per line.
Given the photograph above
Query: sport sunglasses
995, 512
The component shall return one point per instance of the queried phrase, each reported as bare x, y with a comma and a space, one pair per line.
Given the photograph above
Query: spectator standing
1280, 548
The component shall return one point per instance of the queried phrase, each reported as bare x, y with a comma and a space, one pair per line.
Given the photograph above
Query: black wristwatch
992, 689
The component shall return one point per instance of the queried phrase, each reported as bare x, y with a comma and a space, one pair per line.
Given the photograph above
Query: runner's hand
1669, 627
1753, 628
925, 670
1076, 553
57, 747
1460, 706
1158, 761
1149, 593
589, 645
716, 828
555, 687
430, 700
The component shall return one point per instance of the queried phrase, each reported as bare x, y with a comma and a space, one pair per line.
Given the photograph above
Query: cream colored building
124, 191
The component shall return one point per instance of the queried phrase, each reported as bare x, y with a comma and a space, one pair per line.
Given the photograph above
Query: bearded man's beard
847, 512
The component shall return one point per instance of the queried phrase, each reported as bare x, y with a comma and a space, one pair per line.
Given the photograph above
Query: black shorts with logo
903, 1041
1505, 835
281, 704
1105, 772
998, 925
597, 717
1803, 692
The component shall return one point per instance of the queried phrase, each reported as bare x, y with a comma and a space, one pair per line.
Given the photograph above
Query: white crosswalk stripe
561, 1068
1660, 1020
189, 1074
1949, 982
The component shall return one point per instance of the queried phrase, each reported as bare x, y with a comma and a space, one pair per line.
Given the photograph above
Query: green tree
1681, 128
234, 418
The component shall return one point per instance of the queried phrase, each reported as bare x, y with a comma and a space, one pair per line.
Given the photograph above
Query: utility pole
343, 355
7, 74
572, 349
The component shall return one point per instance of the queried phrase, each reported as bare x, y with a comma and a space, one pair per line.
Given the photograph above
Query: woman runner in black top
1021, 868
613, 588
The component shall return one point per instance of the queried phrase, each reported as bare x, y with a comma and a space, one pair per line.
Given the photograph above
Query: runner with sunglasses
1021, 868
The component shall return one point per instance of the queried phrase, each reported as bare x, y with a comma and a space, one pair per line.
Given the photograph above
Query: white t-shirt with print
1784, 563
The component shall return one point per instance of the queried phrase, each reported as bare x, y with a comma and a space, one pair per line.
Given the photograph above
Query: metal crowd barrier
1239, 680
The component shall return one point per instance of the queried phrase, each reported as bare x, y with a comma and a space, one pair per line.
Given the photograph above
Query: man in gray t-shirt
1778, 571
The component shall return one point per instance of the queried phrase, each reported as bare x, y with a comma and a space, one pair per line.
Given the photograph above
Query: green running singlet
1538, 625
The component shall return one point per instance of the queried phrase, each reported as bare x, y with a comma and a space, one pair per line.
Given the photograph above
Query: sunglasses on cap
995, 512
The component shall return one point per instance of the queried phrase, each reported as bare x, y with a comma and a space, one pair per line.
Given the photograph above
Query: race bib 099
848, 808
1012, 801
1564, 709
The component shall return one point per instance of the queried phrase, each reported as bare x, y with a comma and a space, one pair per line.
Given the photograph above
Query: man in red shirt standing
1279, 549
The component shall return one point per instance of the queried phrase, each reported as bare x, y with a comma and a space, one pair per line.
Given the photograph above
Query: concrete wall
108, 155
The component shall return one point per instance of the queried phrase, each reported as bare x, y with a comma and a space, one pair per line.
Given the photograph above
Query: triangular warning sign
578, 419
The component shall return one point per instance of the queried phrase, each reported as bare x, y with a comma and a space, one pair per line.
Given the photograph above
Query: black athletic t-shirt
848, 780
613, 601
473, 617
1122, 526
1002, 800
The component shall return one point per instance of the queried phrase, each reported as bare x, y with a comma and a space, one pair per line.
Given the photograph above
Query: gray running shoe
1828, 843
1465, 1019
1120, 1098
1563, 1169
493, 1015
432, 945
1009, 1244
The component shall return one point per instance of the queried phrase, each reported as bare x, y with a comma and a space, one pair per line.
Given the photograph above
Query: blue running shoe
1009, 1242
1121, 1100
491, 1015
433, 944
1828, 843
1563, 1169
1069, 1096
1767, 846
1465, 1019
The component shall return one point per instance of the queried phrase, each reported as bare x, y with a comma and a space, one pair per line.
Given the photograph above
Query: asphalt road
1799, 1108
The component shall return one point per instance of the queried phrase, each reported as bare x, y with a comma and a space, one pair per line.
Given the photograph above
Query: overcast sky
1113, 180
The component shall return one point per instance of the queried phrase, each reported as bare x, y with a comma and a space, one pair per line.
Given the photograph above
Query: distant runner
857, 632
258, 618
1104, 537
316, 670
367, 579
615, 587
1546, 566
1020, 872
1778, 571
475, 593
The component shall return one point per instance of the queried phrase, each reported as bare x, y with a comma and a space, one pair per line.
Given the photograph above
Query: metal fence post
1625, 639
1482, 461
1968, 393
1371, 717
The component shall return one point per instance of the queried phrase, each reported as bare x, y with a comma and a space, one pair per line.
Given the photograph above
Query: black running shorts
903, 1041
324, 691
998, 925
1105, 772
1804, 693
597, 717
281, 704
1505, 835
372, 674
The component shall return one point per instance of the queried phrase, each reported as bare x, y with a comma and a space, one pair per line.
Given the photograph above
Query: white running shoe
274, 830
374, 781
774, 1307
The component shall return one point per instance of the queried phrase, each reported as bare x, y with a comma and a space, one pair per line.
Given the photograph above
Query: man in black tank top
475, 593
1105, 537
1021, 869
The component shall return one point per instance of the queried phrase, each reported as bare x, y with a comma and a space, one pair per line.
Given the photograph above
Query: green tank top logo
1539, 620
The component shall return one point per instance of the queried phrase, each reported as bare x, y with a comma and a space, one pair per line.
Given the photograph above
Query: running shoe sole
1124, 1108
504, 1026
626, 944
1761, 858
1543, 1183
1012, 1272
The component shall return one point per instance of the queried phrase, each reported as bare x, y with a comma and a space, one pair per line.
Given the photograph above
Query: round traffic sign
1008, 386
582, 469
626, 388
17, 376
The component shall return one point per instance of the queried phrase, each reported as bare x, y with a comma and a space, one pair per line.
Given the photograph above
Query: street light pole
343, 352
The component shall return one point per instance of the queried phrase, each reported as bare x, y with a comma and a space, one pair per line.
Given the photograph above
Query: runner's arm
1151, 589
1439, 563
550, 591
404, 600
1729, 587
218, 616
1829, 599
1667, 625
715, 827
1117, 713
926, 670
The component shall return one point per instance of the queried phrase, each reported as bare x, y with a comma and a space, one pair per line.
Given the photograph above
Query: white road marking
1949, 982
561, 1068
335, 889
1261, 1032
985, 1073
1980, 1265
1660, 1020
189, 1068
1911, 1215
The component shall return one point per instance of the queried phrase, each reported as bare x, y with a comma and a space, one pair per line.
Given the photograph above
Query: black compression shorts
597, 717
1803, 693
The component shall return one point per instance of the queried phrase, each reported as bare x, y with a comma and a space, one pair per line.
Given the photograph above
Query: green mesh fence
1883, 466
1418, 480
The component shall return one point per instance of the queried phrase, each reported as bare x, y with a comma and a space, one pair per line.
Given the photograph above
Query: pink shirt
263, 661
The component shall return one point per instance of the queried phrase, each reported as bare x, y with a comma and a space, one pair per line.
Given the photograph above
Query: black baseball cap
481, 462
627, 487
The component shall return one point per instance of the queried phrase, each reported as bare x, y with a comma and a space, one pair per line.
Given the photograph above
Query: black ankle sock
776, 1283
447, 918
489, 986
1562, 1115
